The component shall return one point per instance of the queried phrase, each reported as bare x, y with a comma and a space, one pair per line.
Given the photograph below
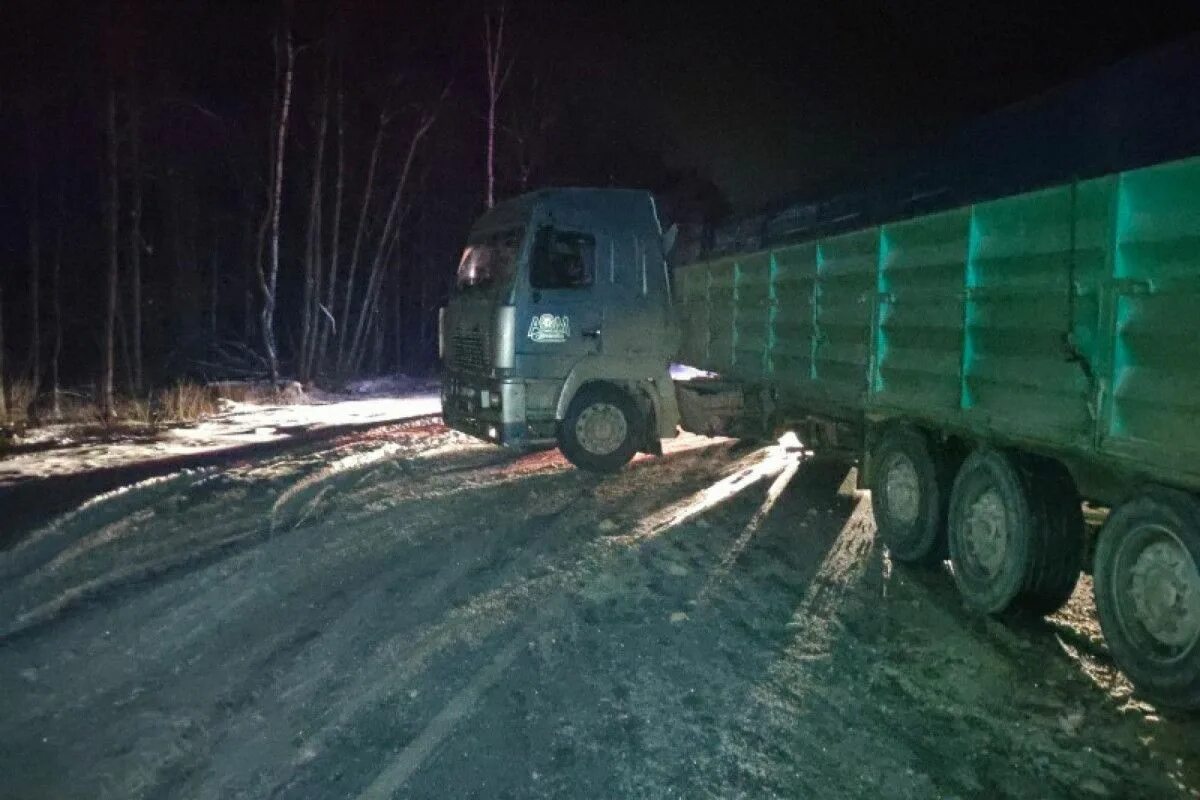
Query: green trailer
989, 368
1065, 321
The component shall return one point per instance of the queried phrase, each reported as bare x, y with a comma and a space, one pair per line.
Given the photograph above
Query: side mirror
668, 239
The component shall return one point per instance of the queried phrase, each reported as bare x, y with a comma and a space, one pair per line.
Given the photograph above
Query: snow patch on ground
237, 424
682, 372
392, 386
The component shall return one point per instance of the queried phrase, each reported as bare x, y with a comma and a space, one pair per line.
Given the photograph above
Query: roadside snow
682, 372
238, 424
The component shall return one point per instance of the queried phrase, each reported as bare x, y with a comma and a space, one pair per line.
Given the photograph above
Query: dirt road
410, 614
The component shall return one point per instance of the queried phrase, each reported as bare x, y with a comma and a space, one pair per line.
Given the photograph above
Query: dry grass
184, 402
20, 392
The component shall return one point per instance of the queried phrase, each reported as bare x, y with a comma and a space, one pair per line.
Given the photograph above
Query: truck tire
1059, 552
1147, 584
909, 494
992, 531
601, 429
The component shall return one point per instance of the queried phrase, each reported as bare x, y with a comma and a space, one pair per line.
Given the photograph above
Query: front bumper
489, 409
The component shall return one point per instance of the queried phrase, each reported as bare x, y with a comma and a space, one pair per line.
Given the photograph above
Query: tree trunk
135, 234
371, 292
344, 319
214, 274
377, 350
314, 246
112, 209
35, 276
497, 75
270, 281
123, 338
3, 385
387, 241
56, 305
397, 321
249, 271
328, 324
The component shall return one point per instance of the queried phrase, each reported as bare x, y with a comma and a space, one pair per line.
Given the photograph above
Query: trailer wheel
1147, 584
602, 428
909, 490
991, 531
1059, 545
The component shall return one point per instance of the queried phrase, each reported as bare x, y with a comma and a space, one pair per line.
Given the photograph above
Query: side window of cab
563, 260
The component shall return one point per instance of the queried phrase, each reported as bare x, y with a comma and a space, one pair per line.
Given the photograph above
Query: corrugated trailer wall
1153, 407
1068, 317
1029, 342
918, 338
845, 289
793, 318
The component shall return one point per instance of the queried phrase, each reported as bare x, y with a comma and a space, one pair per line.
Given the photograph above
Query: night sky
770, 96
766, 98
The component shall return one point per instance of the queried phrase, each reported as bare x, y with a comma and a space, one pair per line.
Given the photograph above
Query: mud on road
410, 614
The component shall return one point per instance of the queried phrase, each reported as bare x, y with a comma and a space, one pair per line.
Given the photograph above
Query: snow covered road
405, 612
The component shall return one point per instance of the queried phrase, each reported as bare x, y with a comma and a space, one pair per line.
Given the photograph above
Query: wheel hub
986, 531
601, 428
903, 490
1165, 588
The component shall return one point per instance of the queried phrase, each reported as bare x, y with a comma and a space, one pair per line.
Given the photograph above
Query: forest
277, 190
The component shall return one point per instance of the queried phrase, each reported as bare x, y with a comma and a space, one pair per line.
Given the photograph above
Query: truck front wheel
1147, 585
601, 430
909, 490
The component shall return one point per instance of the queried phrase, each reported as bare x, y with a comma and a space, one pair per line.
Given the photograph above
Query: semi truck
988, 368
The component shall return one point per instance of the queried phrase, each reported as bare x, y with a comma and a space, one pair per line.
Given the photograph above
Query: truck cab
560, 328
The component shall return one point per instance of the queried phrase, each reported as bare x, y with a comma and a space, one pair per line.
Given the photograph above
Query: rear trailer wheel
909, 490
1059, 544
601, 429
990, 531
1147, 584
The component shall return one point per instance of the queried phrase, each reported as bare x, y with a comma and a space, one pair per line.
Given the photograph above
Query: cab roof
604, 208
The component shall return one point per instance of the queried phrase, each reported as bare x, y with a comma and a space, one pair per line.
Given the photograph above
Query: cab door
563, 318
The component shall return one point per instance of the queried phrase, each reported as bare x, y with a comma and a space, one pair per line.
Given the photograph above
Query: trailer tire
1059, 547
991, 531
1147, 585
909, 494
602, 428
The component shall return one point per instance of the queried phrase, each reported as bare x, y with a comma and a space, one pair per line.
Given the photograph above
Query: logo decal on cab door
550, 328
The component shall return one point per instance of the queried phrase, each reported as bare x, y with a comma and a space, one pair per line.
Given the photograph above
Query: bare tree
360, 230
269, 277
135, 231
385, 245
112, 211
497, 75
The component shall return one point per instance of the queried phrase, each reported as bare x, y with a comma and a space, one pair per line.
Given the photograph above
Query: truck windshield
489, 259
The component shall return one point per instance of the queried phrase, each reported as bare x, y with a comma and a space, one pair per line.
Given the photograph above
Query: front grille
470, 351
